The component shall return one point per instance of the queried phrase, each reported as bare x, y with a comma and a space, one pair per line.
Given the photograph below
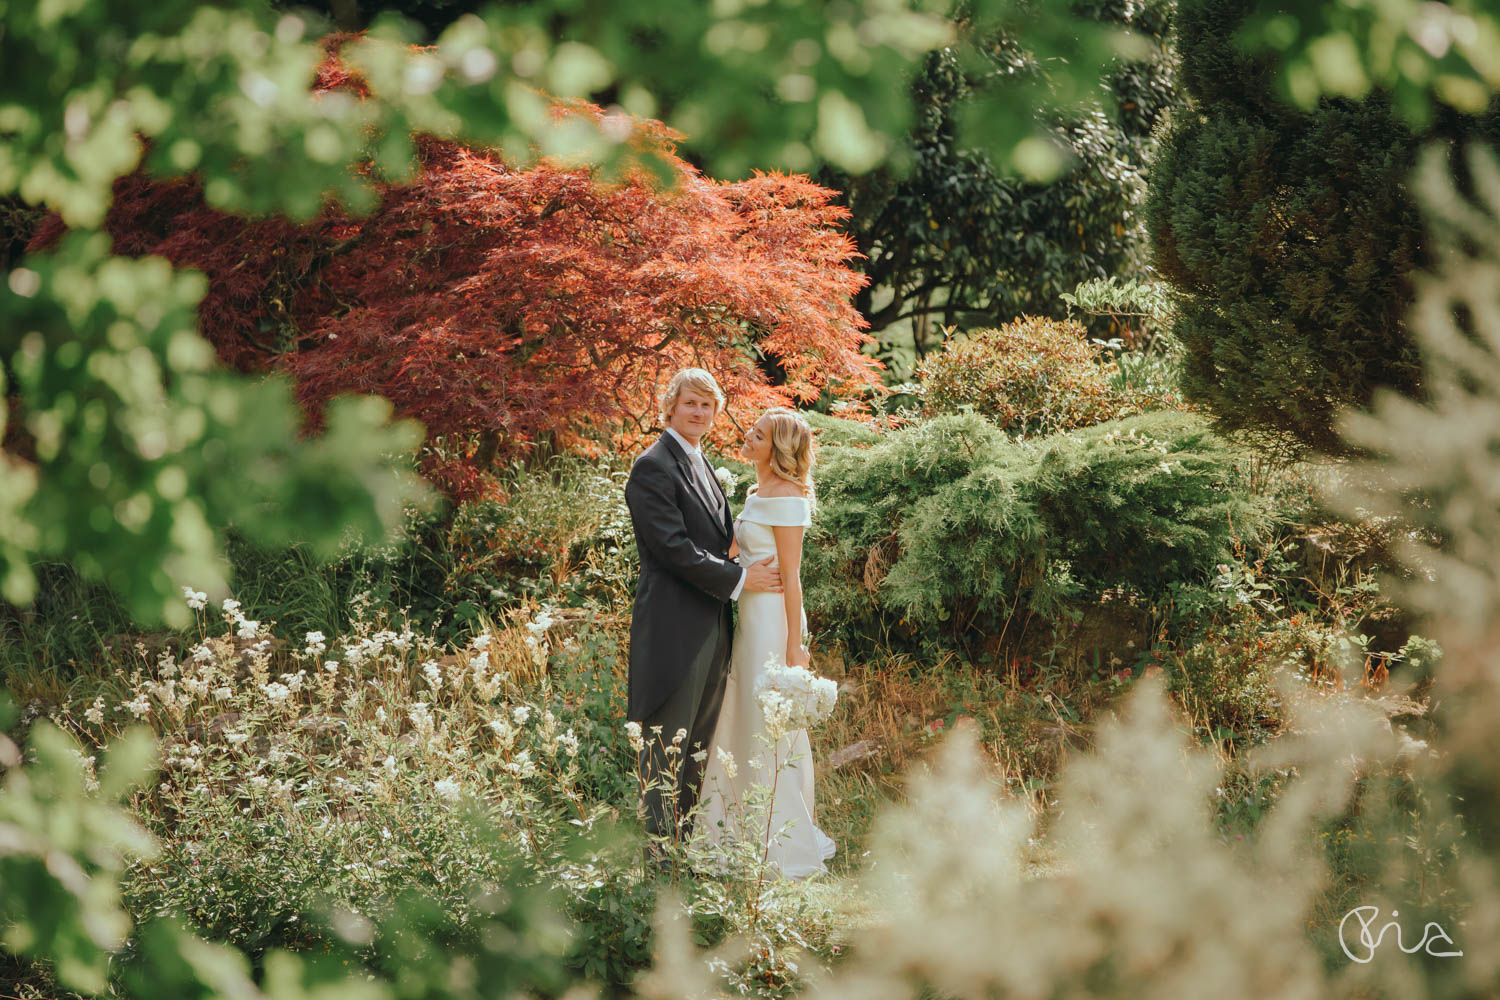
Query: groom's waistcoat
686, 579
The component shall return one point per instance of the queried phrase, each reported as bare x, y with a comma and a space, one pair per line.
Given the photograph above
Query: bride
771, 625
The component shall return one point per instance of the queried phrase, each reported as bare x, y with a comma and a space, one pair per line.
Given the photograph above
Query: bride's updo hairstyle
791, 447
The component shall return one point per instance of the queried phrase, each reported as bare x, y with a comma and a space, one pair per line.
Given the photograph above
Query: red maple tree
503, 307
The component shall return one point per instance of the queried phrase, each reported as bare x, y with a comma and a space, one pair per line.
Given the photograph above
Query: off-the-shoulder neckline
754, 494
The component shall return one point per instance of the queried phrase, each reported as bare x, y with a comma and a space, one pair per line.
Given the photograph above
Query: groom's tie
705, 482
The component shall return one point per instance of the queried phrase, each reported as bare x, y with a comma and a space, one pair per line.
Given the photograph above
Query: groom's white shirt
695, 451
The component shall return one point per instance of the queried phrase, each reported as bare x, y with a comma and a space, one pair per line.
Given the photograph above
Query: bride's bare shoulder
781, 488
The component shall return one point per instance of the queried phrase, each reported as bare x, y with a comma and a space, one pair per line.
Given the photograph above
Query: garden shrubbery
949, 526
451, 800
557, 532
1032, 376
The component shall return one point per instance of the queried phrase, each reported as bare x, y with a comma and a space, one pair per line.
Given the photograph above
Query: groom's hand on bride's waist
763, 576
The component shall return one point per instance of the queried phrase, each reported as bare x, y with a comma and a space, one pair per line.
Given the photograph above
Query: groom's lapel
685, 466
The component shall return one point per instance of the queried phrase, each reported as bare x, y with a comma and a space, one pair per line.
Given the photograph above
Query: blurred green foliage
1427, 56
143, 446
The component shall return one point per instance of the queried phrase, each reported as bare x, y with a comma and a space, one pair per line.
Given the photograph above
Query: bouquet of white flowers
793, 698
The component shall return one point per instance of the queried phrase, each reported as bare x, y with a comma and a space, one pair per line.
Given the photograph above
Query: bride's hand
798, 656
734, 547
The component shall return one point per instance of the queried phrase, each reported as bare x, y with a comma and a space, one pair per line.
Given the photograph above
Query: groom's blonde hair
697, 379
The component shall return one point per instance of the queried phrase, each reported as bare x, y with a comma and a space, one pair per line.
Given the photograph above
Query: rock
851, 753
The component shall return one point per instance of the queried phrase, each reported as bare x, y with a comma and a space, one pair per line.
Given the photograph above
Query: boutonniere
726, 478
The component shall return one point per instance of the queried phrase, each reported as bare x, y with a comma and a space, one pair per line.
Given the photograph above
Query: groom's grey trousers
693, 706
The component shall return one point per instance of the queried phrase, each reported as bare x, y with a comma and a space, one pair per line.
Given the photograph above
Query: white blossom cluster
372, 647
536, 633
793, 698
487, 683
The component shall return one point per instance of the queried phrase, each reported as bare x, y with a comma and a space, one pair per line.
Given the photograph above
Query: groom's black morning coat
686, 575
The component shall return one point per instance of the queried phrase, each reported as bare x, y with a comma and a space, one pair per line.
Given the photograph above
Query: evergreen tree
1289, 236
957, 239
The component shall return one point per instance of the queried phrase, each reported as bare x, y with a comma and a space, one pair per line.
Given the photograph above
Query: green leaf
130, 763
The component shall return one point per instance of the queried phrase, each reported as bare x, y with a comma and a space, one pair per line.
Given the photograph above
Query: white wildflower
248, 628
236, 739
276, 692
521, 713
259, 781
223, 693
196, 599
633, 733
317, 643
433, 673
541, 623
569, 743
726, 761
502, 728
390, 766
95, 712
679, 736
448, 789
700, 756
480, 642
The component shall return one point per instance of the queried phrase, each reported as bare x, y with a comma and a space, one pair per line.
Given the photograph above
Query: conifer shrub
832, 430
864, 496
1144, 502
1031, 376
945, 529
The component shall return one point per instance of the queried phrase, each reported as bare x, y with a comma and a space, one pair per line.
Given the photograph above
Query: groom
681, 629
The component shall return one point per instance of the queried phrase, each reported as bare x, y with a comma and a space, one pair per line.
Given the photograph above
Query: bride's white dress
797, 847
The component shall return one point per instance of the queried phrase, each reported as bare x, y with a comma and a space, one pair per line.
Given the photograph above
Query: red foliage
503, 306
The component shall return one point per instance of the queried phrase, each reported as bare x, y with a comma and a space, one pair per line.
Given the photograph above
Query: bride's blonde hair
792, 447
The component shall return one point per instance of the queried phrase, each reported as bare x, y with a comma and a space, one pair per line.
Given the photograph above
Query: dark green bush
1143, 502
946, 528
1289, 237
